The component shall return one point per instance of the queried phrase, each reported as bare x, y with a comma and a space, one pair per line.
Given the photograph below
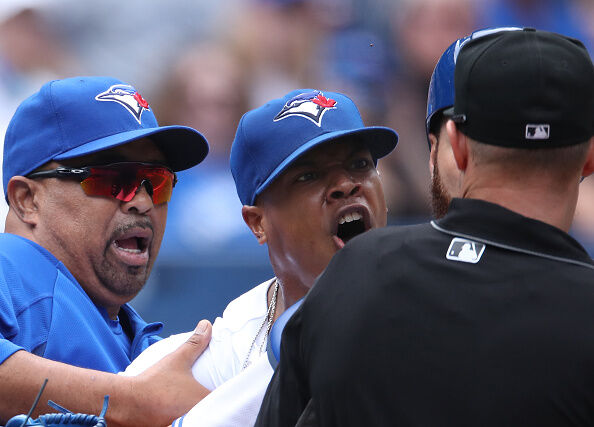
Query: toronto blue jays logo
310, 105
126, 96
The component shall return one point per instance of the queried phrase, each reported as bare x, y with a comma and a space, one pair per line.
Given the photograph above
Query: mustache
124, 228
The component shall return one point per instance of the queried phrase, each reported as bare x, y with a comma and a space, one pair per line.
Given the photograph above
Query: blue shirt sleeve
25, 300
8, 321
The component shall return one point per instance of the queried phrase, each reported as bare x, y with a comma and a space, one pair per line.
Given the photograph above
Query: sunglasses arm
62, 172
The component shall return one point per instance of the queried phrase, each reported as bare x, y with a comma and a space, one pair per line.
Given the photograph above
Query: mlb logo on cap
538, 131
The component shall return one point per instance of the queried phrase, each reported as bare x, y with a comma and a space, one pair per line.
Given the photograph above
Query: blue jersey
45, 311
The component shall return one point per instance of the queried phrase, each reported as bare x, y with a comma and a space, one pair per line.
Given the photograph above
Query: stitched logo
465, 250
538, 131
126, 96
310, 105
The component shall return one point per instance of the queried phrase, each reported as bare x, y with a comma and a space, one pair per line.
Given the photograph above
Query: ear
589, 165
433, 153
21, 193
252, 215
459, 145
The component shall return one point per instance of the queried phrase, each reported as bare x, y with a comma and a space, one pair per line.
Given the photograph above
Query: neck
547, 203
290, 291
14, 225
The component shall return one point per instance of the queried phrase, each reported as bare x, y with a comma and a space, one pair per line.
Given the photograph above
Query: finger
197, 342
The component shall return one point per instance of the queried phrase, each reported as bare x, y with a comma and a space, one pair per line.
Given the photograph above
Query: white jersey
235, 403
232, 337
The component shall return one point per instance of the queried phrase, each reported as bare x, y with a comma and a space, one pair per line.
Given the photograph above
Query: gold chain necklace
267, 321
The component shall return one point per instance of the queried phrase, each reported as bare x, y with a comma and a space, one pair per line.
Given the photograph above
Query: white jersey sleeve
235, 403
232, 337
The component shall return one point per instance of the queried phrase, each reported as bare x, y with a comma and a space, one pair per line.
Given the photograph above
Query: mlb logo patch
538, 131
310, 105
465, 250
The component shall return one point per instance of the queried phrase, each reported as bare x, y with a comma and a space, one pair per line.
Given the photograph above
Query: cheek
66, 212
160, 221
448, 170
377, 201
74, 230
294, 229
91, 220
90, 217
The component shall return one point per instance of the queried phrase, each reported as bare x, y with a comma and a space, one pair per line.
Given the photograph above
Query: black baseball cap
524, 89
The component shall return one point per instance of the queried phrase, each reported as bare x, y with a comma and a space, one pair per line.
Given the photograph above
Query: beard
124, 280
440, 198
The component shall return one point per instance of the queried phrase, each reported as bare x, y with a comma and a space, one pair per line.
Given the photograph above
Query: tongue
131, 243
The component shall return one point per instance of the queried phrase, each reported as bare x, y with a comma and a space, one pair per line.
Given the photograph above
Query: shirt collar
492, 223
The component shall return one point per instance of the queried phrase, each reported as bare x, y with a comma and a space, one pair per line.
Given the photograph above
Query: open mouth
132, 247
350, 224
132, 244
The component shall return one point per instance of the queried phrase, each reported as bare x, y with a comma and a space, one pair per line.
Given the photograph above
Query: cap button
529, 29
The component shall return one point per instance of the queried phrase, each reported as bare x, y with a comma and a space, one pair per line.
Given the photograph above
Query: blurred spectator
560, 16
205, 90
356, 61
277, 40
30, 54
584, 11
137, 40
422, 30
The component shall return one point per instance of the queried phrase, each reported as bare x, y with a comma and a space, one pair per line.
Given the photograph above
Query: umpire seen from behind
483, 317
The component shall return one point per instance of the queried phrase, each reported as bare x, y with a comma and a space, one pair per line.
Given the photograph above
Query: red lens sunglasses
119, 180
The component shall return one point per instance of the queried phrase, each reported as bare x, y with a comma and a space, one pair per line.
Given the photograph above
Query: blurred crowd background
204, 63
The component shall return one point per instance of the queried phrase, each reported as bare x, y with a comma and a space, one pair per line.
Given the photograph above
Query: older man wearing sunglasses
87, 174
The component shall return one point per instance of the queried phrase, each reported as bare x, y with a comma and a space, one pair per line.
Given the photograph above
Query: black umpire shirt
483, 318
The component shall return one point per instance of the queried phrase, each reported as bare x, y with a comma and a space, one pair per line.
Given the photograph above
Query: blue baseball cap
441, 86
82, 115
271, 137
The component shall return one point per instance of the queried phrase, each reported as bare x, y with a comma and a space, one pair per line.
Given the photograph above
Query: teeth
129, 250
132, 251
350, 217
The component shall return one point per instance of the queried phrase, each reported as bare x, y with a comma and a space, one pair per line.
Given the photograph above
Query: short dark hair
437, 122
557, 159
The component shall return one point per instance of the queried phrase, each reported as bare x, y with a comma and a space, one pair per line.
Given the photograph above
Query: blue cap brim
183, 147
380, 141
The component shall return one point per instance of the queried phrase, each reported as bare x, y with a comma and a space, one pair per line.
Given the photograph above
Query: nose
342, 185
142, 202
